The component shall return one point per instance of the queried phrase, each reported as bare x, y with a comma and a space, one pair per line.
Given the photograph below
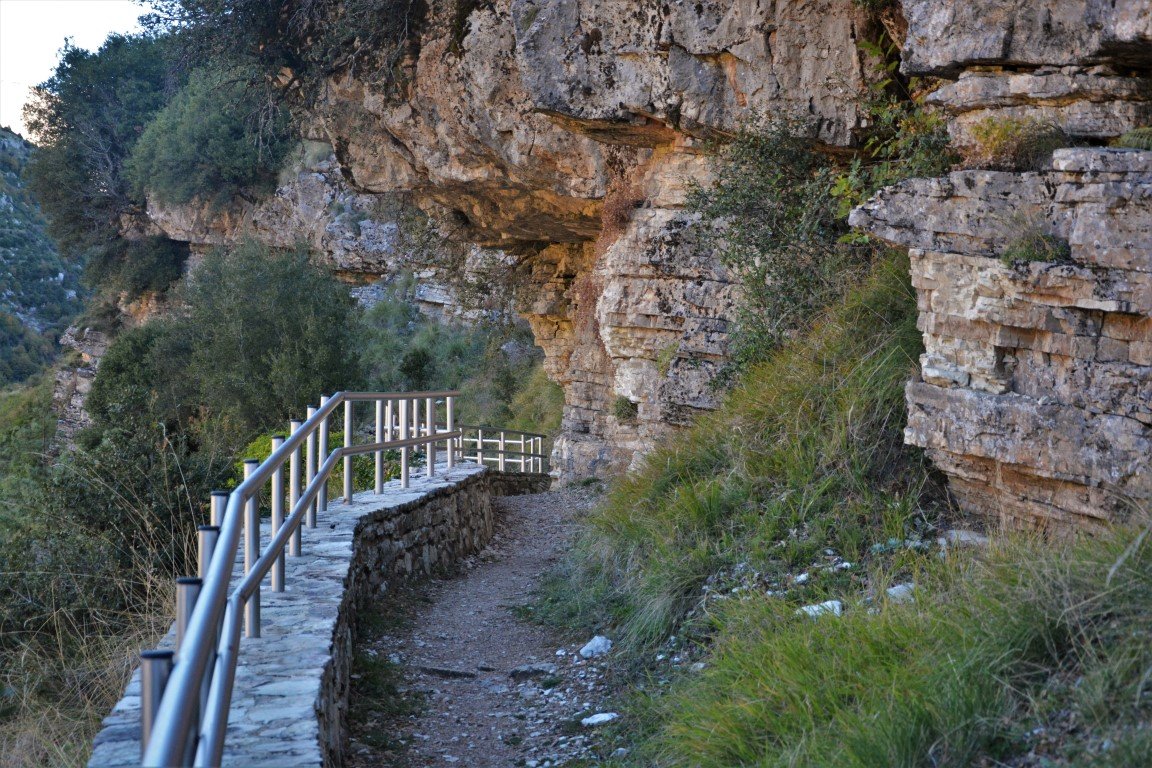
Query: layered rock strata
566, 133
1035, 393
1077, 65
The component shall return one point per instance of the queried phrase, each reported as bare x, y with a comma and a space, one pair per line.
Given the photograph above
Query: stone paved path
460, 643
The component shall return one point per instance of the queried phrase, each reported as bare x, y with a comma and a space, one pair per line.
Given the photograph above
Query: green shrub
136, 267
363, 467
1014, 144
27, 426
1137, 138
213, 141
271, 334
624, 410
770, 218
23, 352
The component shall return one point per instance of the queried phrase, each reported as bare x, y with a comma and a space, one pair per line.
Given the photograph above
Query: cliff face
564, 136
569, 131
1035, 394
1035, 389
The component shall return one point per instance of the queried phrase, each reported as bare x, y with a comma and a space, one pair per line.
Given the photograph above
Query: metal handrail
185, 709
532, 460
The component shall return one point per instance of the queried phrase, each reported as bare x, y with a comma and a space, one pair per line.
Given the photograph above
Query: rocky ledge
1035, 389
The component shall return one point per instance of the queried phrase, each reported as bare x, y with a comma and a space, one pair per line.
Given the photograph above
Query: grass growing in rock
1025, 654
805, 457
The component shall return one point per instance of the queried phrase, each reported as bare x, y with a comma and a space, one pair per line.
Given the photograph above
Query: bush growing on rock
219, 137
1137, 138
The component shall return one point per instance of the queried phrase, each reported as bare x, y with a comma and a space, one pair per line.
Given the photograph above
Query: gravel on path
484, 687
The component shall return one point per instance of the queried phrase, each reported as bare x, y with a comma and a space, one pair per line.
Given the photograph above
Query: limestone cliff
565, 134
568, 131
1035, 389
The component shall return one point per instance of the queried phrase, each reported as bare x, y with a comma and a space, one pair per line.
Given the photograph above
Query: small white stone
834, 607
599, 719
901, 593
801, 579
962, 538
597, 646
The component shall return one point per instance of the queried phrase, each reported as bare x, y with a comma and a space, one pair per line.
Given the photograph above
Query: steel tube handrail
214, 624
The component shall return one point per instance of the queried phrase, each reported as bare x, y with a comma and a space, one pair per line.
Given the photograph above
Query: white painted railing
186, 694
503, 449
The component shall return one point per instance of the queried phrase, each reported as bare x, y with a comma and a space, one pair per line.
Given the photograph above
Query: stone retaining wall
291, 693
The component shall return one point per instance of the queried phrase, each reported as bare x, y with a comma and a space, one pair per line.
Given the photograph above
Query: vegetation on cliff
38, 290
206, 145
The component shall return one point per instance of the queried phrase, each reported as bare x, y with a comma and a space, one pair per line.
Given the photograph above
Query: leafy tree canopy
86, 119
262, 335
311, 39
218, 137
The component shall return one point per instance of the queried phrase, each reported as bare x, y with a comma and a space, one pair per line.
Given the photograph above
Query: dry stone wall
1035, 390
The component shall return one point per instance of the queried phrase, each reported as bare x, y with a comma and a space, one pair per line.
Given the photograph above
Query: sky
32, 32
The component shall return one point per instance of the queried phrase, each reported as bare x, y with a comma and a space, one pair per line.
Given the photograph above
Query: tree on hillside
218, 137
86, 118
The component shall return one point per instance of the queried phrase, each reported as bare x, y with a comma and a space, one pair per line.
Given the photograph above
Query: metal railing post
251, 552
389, 423
206, 538
321, 457
405, 452
378, 487
310, 472
155, 666
294, 490
523, 437
414, 412
219, 504
429, 430
540, 458
479, 446
348, 459
500, 460
187, 590
450, 419
278, 516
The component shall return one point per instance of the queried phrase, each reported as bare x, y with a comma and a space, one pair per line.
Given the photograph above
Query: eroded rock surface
522, 127
1035, 394
1079, 65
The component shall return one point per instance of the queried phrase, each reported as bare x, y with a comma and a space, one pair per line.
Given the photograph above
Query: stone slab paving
287, 677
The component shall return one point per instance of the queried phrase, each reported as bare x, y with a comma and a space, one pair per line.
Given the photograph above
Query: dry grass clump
1013, 144
1137, 138
1033, 242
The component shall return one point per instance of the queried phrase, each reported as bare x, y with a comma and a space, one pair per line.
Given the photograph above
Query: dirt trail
449, 647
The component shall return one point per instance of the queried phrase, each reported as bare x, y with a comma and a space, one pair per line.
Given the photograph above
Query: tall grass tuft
806, 454
1032, 651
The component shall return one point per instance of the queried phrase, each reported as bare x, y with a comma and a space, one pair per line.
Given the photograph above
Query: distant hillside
38, 291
